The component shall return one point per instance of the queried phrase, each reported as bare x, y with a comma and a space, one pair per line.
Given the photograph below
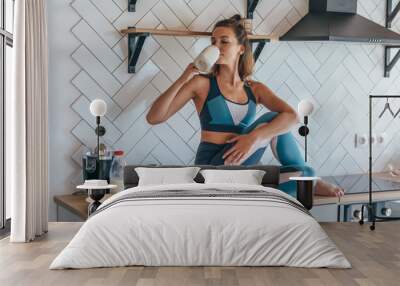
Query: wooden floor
375, 257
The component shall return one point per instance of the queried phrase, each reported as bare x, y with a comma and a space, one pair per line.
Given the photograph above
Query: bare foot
323, 188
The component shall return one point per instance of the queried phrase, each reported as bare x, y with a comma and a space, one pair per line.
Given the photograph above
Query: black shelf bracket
135, 45
251, 6
132, 5
391, 12
389, 64
259, 48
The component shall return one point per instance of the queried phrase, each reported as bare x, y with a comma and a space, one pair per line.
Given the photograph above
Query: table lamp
98, 108
304, 109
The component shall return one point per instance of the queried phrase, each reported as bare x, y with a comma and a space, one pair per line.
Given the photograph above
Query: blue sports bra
223, 115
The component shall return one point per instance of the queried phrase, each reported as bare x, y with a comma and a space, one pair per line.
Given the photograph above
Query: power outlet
381, 139
361, 140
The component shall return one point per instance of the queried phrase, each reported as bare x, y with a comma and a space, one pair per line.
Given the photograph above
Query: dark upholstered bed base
270, 179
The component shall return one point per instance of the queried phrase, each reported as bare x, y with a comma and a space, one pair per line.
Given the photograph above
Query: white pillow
248, 177
164, 176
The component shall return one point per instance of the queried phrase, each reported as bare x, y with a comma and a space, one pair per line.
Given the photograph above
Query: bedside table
76, 204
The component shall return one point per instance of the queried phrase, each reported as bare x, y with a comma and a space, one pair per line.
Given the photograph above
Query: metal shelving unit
391, 14
372, 217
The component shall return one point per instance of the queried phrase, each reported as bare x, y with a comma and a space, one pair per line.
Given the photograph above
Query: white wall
62, 118
88, 60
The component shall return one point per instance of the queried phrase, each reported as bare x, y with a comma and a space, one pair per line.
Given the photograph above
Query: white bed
183, 230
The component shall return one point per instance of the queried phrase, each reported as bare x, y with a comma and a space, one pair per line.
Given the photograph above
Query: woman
226, 103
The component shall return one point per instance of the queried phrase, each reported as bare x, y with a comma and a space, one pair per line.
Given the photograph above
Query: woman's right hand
189, 72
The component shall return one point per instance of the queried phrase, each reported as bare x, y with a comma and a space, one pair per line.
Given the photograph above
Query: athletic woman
226, 101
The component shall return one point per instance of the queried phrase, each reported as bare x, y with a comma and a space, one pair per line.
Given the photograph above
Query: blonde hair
246, 60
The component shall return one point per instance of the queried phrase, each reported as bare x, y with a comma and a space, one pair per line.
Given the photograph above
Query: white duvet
200, 231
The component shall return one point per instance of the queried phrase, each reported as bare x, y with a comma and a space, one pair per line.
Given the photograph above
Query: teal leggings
287, 152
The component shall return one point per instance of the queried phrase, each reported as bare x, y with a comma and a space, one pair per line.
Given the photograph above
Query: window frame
6, 39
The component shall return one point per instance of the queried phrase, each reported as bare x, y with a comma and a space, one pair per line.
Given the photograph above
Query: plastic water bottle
117, 171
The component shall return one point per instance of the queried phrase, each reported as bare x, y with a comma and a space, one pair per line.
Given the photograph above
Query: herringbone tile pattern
337, 77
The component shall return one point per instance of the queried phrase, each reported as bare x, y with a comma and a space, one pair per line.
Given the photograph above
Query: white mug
206, 59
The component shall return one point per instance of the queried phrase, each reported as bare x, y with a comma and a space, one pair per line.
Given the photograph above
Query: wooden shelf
187, 33
137, 36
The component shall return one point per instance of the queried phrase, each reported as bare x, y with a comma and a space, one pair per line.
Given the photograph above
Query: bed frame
270, 179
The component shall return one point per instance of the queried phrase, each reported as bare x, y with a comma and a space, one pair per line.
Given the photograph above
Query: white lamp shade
98, 107
305, 107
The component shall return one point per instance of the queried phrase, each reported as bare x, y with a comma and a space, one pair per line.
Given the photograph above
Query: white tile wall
96, 69
97, 21
109, 9
96, 45
92, 90
135, 132
136, 84
88, 59
167, 64
138, 106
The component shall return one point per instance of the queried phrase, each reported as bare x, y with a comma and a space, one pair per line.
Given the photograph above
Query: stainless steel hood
337, 20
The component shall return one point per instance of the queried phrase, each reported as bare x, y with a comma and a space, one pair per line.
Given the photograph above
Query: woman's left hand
240, 150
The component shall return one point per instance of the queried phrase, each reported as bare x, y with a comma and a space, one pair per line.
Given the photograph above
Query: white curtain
27, 136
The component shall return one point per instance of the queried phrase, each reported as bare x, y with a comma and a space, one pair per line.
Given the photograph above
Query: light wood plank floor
375, 257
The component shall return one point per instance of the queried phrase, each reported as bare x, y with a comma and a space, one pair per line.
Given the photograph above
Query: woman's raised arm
175, 97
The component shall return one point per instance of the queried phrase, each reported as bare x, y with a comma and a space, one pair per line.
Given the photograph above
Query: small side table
76, 204
305, 190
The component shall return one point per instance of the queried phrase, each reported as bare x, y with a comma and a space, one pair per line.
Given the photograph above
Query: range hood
337, 20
